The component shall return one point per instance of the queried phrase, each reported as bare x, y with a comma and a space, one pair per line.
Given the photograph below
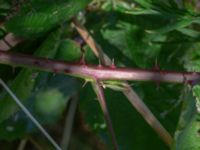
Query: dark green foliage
187, 132
24, 82
148, 34
131, 130
37, 21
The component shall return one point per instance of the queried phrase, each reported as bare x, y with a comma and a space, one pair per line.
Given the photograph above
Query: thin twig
100, 94
22, 144
128, 92
69, 123
26, 111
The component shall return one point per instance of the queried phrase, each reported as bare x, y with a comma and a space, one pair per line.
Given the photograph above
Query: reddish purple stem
97, 72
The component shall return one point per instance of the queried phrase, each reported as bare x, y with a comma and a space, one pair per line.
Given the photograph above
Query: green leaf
24, 82
189, 32
13, 129
134, 43
4, 9
178, 24
187, 133
191, 59
37, 23
196, 94
145, 3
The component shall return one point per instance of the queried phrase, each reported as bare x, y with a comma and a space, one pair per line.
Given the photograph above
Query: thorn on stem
102, 85
99, 64
84, 84
186, 81
82, 59
113, 64
156, 66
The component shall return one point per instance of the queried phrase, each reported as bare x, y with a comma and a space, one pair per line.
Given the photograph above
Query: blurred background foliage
136, 33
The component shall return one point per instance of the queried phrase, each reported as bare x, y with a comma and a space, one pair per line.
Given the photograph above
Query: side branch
97, 72
131, 95
100, 94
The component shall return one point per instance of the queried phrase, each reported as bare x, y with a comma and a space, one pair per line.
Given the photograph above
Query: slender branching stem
100, 94
106, 73
131, 95
22, 144
69, 121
